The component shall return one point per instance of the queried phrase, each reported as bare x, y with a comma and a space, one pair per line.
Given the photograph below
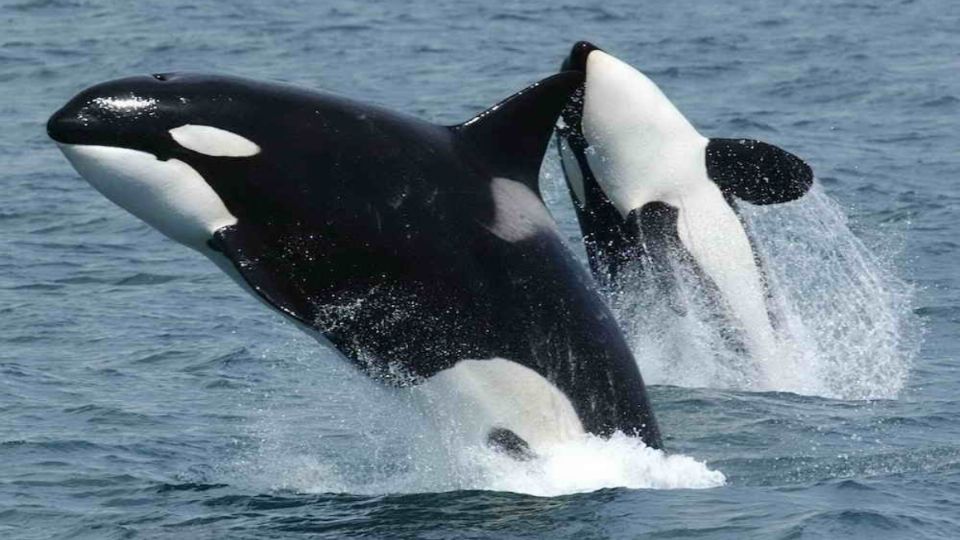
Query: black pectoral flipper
757, 172
511, 137
264, 272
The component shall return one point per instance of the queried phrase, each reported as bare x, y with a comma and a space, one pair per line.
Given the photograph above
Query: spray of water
844, 321
402, 450
582, 466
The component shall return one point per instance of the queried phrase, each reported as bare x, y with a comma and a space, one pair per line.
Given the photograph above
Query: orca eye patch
212, 141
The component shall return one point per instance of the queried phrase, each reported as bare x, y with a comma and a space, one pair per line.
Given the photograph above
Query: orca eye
160, 76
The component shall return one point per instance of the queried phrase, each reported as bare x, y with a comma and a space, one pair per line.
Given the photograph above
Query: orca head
141, 142
625, 134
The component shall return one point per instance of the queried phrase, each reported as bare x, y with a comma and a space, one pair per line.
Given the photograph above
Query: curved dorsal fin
512, 135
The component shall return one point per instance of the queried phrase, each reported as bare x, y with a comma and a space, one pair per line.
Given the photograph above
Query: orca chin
423, 253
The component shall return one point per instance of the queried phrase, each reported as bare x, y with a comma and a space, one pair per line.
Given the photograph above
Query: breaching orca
647, 186
423, 253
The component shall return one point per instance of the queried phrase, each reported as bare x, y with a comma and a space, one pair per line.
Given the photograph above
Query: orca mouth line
68, 126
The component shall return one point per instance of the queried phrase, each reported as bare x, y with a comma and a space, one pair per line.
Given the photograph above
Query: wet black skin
611, 241
374, 229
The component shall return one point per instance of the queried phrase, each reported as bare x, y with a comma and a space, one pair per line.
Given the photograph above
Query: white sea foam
367, 439
585, 466
590, 464
422, 463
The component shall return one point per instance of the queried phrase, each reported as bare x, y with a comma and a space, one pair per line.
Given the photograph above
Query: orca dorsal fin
511, 137
757, 172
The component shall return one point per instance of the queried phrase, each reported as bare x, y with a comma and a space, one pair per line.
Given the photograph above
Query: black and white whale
647, 186
423, 253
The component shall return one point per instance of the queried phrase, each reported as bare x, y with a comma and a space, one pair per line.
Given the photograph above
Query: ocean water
142, 394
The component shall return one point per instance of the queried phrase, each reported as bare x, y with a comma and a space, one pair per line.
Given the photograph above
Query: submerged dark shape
506, 441
409, 246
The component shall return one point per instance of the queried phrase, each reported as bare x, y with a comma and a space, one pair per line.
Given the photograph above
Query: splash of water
429, 461
575, 467
359, 437
844, 321
847, 325
591, 464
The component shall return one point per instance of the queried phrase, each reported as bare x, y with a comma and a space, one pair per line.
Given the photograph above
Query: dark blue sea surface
143, 394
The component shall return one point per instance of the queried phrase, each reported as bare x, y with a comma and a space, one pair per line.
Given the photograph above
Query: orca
648, 187
423, 253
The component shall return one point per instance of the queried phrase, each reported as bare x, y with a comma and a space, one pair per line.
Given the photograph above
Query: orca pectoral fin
511, 137
505, 441
264, 272
757, 172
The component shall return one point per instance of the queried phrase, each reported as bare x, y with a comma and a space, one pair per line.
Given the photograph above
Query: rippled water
143, 394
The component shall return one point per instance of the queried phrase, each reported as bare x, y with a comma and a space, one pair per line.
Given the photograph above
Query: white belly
479, 395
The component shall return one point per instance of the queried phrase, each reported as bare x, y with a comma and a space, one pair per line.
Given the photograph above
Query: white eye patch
214, 141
